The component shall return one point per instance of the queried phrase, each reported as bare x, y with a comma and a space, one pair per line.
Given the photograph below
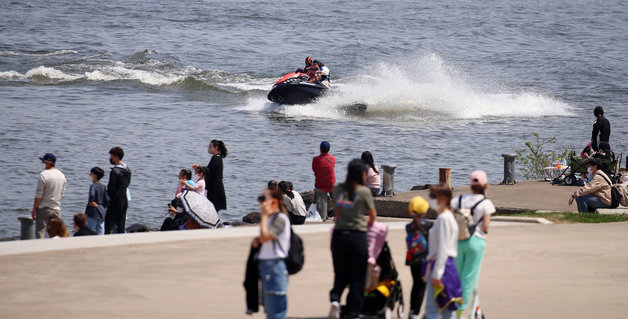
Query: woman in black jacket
213, 175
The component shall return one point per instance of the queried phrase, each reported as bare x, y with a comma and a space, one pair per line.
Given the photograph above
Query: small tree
534, 158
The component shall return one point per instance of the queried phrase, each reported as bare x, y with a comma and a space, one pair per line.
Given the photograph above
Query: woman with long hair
349, 250
213, 174
56, 228
372, 176
274, 243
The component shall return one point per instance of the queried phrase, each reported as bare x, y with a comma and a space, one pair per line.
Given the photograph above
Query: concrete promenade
524, 196
530, 271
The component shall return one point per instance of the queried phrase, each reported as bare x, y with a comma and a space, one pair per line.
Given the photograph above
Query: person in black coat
601, 131
119, 180
213, 175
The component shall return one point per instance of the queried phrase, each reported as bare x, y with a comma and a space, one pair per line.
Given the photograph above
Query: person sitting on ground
56, 228
372, 180
80, 226
272, 184
586, 152
185, 181
199, 185
597, 193
294, 203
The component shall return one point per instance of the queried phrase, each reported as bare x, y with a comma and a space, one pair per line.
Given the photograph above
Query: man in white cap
50, 190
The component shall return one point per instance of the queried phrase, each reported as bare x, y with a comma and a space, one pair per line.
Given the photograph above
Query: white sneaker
334, 311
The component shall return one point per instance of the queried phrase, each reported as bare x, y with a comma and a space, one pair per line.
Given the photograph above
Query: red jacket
323, 167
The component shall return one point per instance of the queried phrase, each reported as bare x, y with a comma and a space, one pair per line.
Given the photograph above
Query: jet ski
295, 88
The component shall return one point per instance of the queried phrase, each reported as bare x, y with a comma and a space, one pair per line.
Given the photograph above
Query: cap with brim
418, 205
49, 157
478, 178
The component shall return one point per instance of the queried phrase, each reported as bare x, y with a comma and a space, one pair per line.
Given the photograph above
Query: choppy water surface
450, 84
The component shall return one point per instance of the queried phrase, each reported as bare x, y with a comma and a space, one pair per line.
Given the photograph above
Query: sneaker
334, 311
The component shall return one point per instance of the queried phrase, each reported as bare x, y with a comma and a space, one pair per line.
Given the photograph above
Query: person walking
444, 292
97, 202
119, 180
595, 194
274, 240
323, 166
417, 232
50, 191
349, 250
372, 181
600, 136
471, 251
213, 174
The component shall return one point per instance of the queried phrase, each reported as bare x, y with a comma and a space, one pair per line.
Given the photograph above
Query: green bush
534, 158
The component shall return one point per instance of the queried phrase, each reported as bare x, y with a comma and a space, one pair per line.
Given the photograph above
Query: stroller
579, 166
381, 301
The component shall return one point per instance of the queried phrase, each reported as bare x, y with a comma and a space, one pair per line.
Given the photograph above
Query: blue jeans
274, 275
96, 225
589, 203
431, 308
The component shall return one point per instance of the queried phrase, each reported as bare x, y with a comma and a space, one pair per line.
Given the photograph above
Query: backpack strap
476, 205
460, 202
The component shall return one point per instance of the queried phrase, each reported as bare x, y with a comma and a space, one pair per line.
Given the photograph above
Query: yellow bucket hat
418, 205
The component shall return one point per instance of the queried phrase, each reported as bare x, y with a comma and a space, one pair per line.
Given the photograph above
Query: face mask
433, 203
112, 162
589, 170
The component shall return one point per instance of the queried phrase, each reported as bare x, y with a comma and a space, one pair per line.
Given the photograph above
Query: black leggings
349, 252
418, 289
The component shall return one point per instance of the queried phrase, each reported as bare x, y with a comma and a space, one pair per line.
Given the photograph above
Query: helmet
308, 61
418, 205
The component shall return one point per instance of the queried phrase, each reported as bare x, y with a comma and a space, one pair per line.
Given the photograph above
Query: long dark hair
222, 149
367, 157
355, 172
285, 187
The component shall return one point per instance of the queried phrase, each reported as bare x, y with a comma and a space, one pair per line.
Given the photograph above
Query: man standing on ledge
600, 136
50, 190
119, 180
325, 178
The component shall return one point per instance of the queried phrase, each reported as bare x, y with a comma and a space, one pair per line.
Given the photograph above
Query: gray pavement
529, 271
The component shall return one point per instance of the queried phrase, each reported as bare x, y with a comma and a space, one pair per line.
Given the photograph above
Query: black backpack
615, 195
296, 257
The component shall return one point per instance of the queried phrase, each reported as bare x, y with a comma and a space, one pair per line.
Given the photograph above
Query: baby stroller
579, 166
381, 301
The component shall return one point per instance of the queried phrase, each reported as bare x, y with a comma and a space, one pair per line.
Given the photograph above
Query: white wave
8, 52
426, 88
98, 75
43, 73
59, 52
151, 78
11, 75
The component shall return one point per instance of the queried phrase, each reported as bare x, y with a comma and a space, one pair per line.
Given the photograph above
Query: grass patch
575, 218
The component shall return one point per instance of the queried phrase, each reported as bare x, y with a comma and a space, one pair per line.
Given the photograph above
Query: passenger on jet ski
324, 70
315, 75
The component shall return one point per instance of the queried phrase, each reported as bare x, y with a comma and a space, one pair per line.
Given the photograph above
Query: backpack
464, 218
296, 257
616, 196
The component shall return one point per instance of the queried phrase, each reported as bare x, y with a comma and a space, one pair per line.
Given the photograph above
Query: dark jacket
98, 194
119, 180
602, 127
213, 183
85, 231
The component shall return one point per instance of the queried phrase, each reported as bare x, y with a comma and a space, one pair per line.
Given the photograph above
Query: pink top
200, 186
372, 178
376, 237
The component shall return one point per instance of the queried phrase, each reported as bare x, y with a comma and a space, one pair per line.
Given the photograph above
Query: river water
448, 84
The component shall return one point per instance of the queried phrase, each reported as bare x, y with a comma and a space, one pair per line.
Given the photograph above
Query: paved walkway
530, 271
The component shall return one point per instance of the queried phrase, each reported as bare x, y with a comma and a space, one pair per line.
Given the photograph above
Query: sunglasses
432, 196
261, 198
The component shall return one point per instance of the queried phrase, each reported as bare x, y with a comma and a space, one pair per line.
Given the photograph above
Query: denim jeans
274, 275
431, 308
588, 204
96, 225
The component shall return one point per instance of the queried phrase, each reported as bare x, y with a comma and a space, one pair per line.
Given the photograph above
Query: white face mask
589, 170
433, 203
43, 166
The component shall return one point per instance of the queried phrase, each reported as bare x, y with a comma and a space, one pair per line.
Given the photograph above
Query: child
416, 240
80, 226
98, 202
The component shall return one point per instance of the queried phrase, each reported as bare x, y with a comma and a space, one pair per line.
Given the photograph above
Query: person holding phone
274, 240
